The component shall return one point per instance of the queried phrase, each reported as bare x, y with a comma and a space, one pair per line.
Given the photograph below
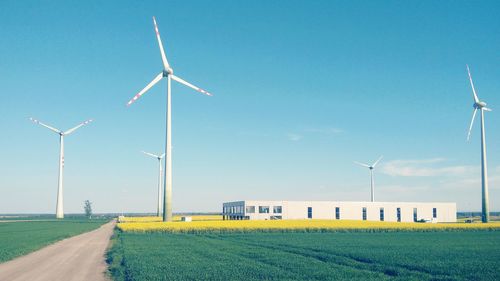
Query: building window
364, 213
337, 213
250, 209
434, 212
264, 209
398, 214
415, 216
381, 214
277, 209
309, 212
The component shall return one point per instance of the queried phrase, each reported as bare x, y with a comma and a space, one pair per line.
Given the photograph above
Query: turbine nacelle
168, 71
479, 104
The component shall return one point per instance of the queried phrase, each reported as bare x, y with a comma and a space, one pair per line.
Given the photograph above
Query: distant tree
88, 208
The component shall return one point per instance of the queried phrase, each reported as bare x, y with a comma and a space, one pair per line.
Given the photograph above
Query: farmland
20, 238
443, 255
203, 225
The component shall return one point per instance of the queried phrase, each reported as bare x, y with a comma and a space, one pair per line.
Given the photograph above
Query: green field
470, 255
20, 238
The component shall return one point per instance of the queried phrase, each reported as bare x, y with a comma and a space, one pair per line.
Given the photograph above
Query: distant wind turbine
59, 205
168, 73
372, 181
480, 105
159, 157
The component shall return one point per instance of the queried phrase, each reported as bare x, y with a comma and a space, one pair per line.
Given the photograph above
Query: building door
309, 212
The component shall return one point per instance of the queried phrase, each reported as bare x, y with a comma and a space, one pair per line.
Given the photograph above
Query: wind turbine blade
162, 51
76, 127
151, 84
476, 99
362, 164
471, 123
150, 154
44, 125
163, 155
487, 109
190, 85
376, 162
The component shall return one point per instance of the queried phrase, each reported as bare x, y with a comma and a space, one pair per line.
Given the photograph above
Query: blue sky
301, 89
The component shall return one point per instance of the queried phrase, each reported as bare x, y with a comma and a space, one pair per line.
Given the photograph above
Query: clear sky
301, 89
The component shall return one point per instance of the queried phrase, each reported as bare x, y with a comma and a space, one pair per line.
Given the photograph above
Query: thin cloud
473, 180
325, 131
425, 168
252, 134
294, 137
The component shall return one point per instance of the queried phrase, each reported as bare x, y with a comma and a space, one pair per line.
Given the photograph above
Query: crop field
441, 255
203, 225
20, 238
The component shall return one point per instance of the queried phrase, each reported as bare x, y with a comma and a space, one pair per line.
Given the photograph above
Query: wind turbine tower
168, 73
159, 157
59, 205
481, 105
372, 181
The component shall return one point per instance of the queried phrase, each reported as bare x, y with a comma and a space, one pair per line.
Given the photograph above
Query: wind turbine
59, 205
168, 73
372, 181
159, 157
481, 105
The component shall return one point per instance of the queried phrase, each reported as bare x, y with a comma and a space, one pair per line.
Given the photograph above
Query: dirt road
77, 258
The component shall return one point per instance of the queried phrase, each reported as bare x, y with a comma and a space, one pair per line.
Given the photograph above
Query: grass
306, 256
201, 225
20, 238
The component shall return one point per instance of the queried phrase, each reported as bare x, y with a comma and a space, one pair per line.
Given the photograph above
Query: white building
334, 210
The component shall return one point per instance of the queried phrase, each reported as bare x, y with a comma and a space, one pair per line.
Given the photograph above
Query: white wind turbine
480, 105
372, 181
168, 73
59, 205
158, 157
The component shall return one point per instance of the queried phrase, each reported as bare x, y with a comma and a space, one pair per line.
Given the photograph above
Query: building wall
446, 212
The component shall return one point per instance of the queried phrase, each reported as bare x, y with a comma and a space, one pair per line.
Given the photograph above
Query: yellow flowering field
201, 226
